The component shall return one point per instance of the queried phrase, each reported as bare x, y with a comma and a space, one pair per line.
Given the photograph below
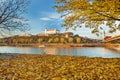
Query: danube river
70, 51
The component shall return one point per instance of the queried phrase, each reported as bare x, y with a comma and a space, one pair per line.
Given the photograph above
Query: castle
52, 32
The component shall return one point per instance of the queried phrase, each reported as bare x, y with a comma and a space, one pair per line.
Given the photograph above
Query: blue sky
41, 15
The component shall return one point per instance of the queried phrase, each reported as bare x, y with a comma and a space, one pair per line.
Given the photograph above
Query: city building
25, 34
49, 32
52, 32
68, 34
107, 37
42, 35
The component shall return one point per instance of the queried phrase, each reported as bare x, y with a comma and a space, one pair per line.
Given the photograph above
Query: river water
72, 51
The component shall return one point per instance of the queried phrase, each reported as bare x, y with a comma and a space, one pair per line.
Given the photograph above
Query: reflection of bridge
115, 39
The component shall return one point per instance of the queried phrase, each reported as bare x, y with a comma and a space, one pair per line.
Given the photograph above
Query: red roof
68, 33
107, 37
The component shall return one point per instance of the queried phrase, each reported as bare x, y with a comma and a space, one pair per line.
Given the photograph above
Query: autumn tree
77, 39
63, 40
11, 15
39, 40
70, 40
50, 40
92, 13
56, 40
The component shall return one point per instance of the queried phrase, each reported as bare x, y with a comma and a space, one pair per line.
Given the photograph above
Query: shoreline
64, 45
56, 45
10, 55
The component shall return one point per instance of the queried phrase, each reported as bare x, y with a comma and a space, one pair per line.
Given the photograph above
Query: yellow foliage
53, 67
91, 13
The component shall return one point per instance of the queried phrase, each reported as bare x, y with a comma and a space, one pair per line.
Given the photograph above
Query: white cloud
54, 15
49, 16
45, 19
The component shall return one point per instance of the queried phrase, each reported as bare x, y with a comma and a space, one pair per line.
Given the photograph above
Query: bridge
115, 39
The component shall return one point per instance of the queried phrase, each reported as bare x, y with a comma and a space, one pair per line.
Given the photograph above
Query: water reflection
49, 50
21, 50
81, 51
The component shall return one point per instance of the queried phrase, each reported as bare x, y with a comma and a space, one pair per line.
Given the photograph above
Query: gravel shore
53, 67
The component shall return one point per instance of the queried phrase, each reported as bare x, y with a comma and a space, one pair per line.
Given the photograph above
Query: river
70, 51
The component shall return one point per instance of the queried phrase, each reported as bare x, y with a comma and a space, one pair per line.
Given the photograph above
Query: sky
41, 15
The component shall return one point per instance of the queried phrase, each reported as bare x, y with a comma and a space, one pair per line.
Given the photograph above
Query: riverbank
56, 45
53, 67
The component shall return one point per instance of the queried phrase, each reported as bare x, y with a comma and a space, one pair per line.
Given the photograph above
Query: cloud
46, 16
45, 19
54, 15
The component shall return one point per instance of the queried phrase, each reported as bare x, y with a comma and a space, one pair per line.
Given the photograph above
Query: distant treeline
47, 39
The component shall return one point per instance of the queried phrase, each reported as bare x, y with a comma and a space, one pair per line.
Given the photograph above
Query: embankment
56, 45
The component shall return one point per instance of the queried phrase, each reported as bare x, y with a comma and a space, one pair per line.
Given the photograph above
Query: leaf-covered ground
51, 67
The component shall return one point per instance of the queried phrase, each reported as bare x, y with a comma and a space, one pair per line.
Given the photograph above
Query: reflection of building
50, 50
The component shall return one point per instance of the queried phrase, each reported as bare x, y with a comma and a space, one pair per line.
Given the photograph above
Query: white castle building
51, 31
